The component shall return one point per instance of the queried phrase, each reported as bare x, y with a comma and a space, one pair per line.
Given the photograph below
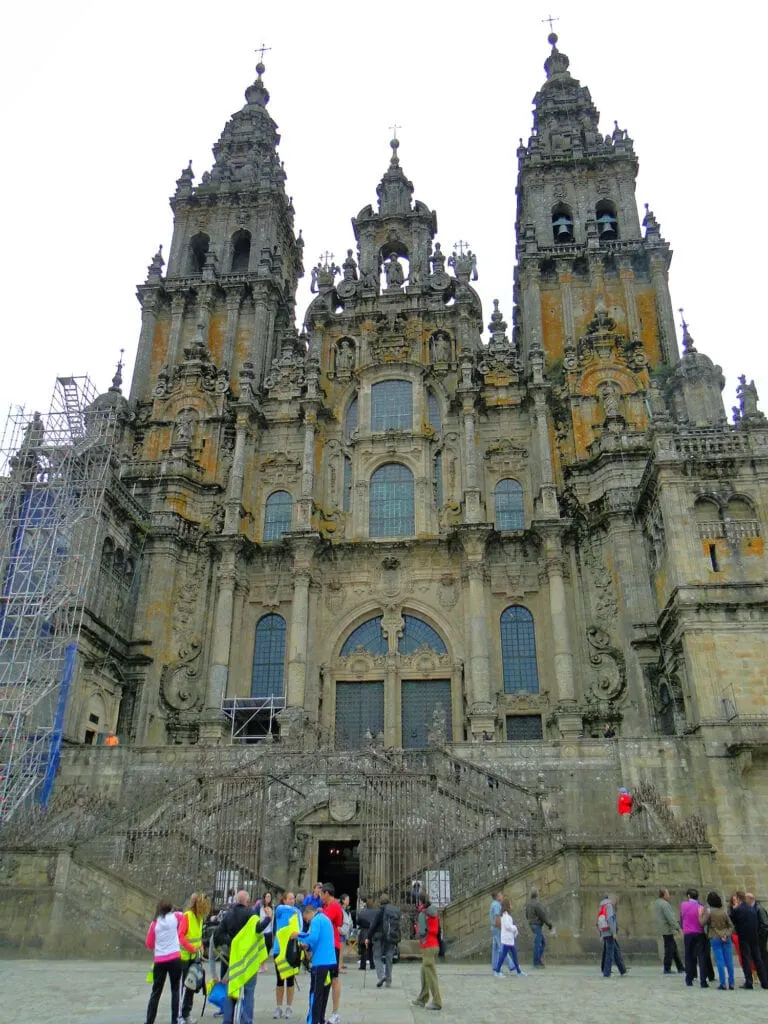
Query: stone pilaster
141, 386
479, 689
178, 304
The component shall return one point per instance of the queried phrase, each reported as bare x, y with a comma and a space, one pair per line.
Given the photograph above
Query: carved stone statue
441, 347
748, 398
345, 358
393, 271
349, 267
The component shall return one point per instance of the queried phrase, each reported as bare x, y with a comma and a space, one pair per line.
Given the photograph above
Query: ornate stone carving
180, 686
448, 590
392, 342
609, 673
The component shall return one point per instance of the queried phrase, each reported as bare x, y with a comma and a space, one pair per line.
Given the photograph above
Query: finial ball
260, 69
395, 143
552, 38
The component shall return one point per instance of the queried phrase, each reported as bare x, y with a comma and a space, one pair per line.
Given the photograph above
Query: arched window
350, 422
518, 651
607, 222
241, 251
433, 411
706, 511
347, 498
198, 250
391, 502
562, 224
277, 515
269, 657
392, 405
369, 636
416, 634
739, 508
509, 505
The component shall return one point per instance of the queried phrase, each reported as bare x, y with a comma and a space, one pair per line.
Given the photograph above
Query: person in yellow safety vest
191, 939
287, 923
247, 953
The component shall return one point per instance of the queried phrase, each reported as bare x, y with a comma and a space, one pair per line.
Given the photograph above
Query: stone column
234, 297
150, 303
548, 506
667, 332
178, 302
211, 723
531, 308
481, 706
393, 707
472, 505
569, 719
565, 277
304, 510
234, 499
627, 275
298, 637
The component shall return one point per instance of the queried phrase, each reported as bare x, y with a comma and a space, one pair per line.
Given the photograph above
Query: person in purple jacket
694, 939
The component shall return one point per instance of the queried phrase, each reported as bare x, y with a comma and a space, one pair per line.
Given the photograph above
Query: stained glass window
524, 727
392, 405
433, 411
269, 657
426, 704
359, 710
347, 500
369, 635
391, 502
277, 515
518, 651
350, 424
509, 505
418, 633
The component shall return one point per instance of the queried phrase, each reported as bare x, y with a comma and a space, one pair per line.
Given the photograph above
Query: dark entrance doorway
338, 862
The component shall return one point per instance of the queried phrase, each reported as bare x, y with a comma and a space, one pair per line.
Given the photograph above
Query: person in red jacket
625, 802
429, 940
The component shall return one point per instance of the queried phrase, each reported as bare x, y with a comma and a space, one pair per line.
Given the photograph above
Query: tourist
191, 938
428, 928
163, 940
745, 923
314, 899
318, 938
720, 928
346, 928
232, 924
286, 922
762, 925
266, 901
694, 940
537, 918
247, 952
365, 918
384, 936
666, 925
494, 914
608, 930
508, 935
331, 908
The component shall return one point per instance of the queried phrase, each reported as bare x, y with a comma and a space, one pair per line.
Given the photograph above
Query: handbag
195, 979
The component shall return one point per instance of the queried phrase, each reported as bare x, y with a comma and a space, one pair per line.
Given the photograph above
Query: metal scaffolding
54, 470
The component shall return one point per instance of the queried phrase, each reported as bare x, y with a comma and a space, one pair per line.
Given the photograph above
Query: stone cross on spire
550, 19
261, 50
393, 128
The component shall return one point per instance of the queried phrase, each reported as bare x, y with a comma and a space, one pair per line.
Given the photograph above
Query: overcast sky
104, 103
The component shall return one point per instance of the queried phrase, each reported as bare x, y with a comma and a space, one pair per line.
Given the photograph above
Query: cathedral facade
400, 522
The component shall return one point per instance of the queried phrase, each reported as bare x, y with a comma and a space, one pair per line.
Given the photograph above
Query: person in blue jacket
318, 940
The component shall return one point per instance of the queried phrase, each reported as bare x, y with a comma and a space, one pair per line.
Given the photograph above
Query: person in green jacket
665, 920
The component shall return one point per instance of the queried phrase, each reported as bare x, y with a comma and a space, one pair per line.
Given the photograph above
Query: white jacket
508, 930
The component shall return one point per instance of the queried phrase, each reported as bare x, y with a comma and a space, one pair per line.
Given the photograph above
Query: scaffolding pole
54, 471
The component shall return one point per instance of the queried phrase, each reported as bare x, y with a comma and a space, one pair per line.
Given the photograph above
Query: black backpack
390, 924
293, 952
441, 941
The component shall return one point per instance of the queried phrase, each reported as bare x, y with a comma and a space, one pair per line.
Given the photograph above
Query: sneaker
334, 1019
378, 984
277, 1015
416, 1002
721, 988
288, 1012
498, 974
522, 974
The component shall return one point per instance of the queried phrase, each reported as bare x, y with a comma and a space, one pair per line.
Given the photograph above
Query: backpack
346, 924
390, 924
195, 979
441, 942
293, 952
603, 923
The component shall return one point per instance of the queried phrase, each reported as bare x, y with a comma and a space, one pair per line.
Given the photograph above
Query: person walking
608, 929
384, 936
266, 901
537, 919
163, 939
720, 930
191, 938
494, 913
331, 908
745, 925
666, 925
694, 939
366, 915
318, 938
286, 923
428, 928
508, 935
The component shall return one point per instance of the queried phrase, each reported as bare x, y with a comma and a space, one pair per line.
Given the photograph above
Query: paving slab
89, 992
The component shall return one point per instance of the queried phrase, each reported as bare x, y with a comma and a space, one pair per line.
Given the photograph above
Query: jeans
695, 957
723, 950
671, 954
246, 1010
495, 945
611, 955
170, 969
505, 952
539, 944
383, 952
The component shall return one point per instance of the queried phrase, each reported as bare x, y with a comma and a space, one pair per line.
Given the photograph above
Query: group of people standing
708, 928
